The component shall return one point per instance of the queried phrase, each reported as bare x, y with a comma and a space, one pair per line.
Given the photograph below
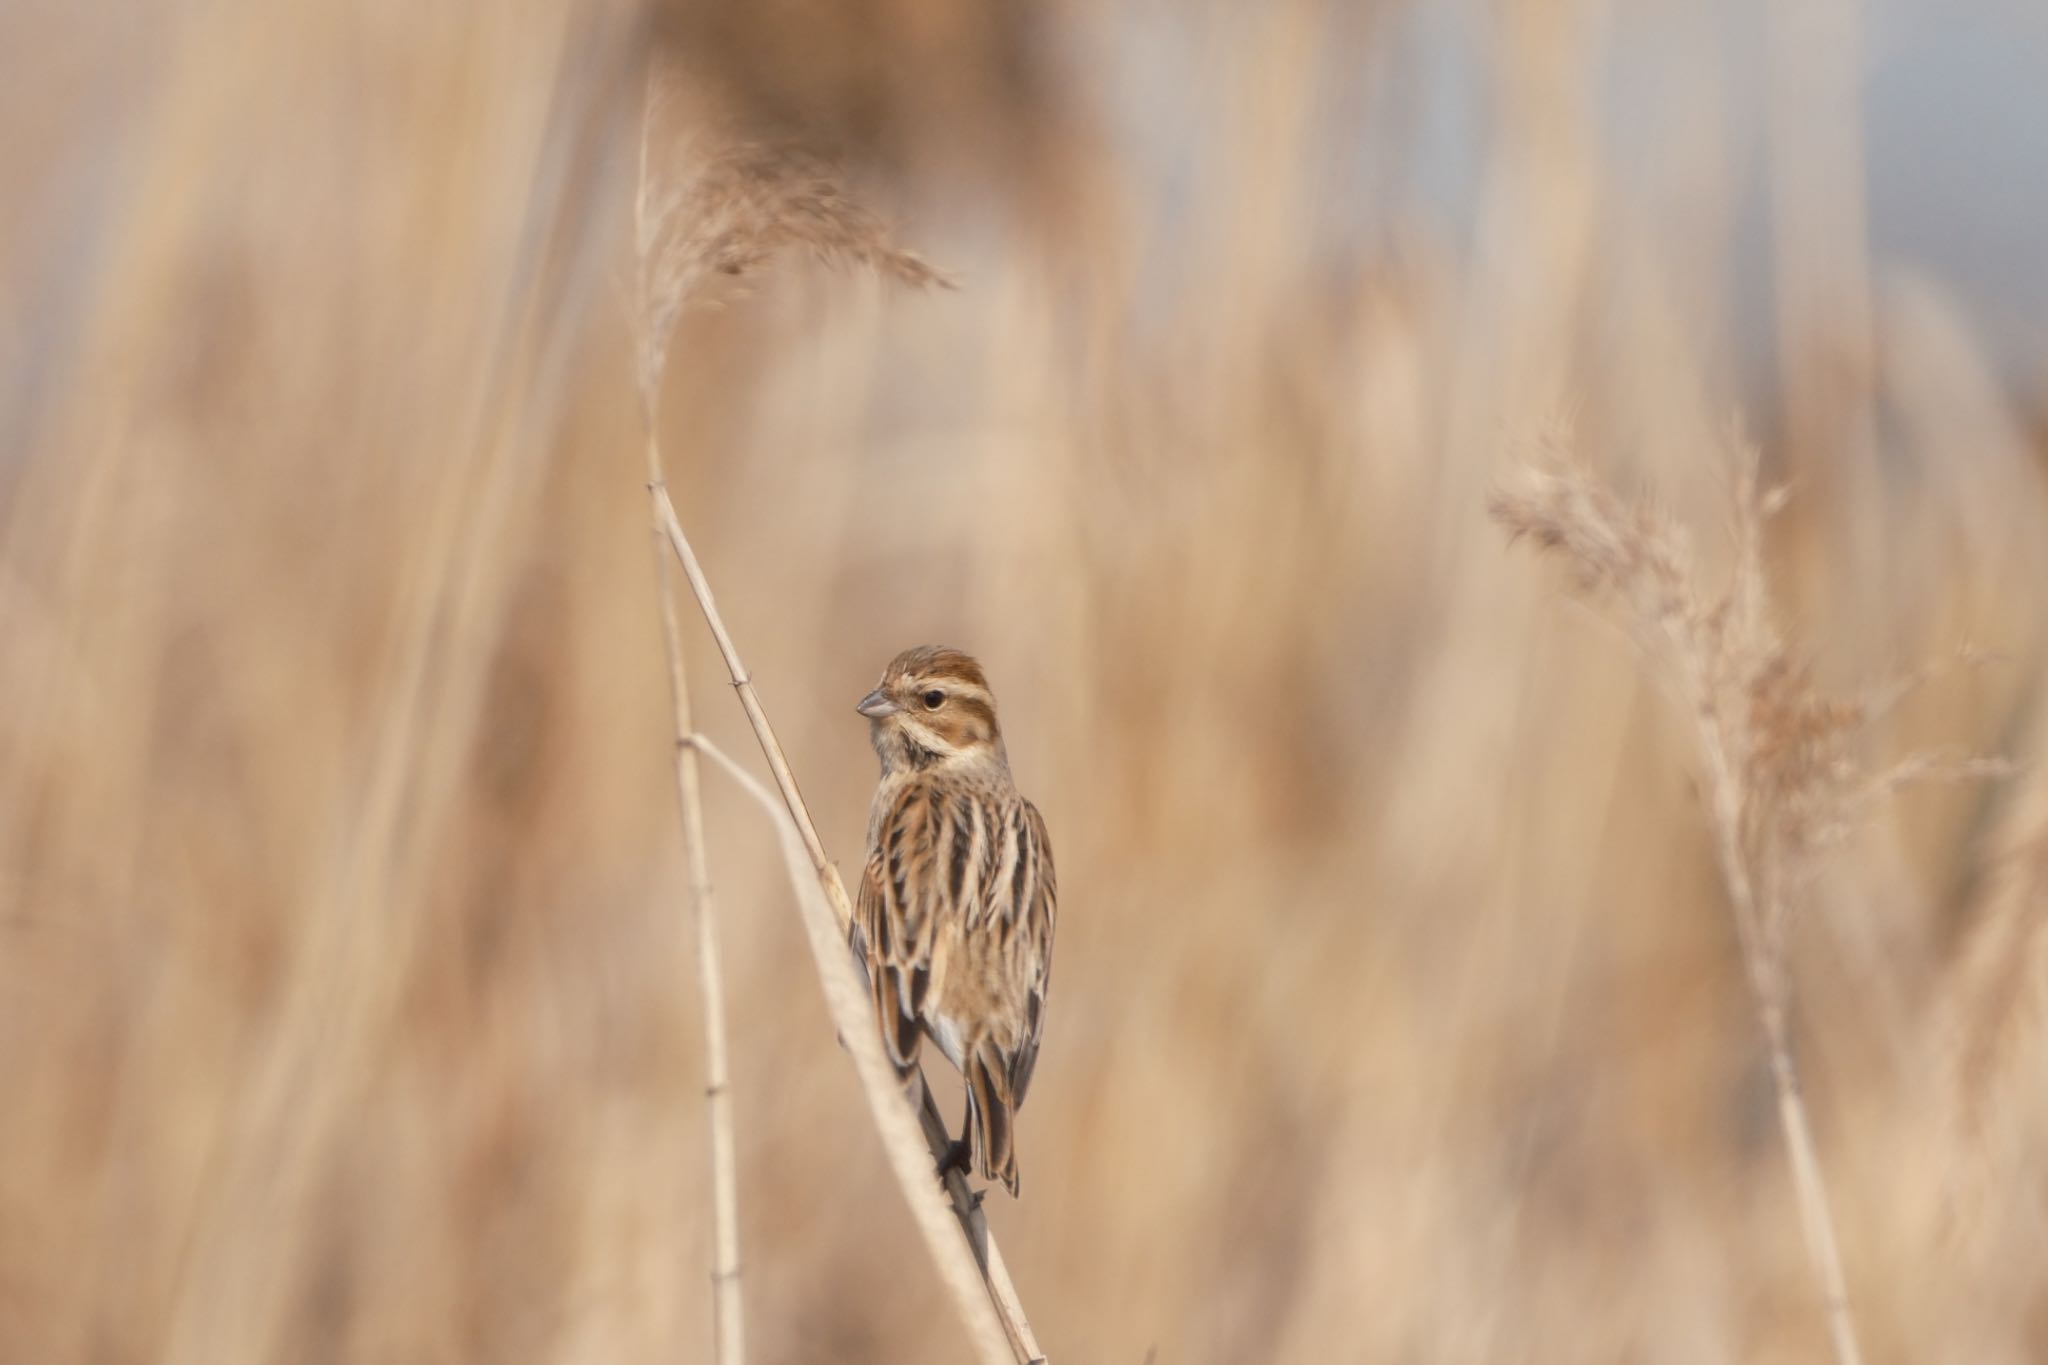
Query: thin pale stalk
846, 996
1763, 963
727, 1307
967, 1210
750, 701
1815, 1217
1001, 1293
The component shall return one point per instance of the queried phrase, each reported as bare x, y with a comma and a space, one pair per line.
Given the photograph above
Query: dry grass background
345, 984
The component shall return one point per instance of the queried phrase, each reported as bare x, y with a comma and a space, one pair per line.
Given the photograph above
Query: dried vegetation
348, 1002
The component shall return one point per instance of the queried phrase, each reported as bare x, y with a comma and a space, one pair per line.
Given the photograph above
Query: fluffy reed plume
728, 206
1782, 779
739, 206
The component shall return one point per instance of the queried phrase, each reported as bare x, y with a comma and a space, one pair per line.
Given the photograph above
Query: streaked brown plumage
955, 913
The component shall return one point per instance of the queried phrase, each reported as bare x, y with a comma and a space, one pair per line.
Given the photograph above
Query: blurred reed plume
348, 1009
723, 205
1782, 780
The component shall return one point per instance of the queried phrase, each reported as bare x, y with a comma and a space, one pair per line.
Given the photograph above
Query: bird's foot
956, 1158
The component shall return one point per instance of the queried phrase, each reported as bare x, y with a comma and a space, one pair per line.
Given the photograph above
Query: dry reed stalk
728, 1306
1781, 781
743, 204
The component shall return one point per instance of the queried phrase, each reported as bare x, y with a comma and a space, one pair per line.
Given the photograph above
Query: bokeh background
347, 1002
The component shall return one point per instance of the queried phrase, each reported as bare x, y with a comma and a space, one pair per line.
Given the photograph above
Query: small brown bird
956, 905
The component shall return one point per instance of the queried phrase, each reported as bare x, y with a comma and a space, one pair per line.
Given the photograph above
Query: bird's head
932, 706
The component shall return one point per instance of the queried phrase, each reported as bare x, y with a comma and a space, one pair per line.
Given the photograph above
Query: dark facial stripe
979, 715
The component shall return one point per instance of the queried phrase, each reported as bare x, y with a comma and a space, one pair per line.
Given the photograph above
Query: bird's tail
989, 1119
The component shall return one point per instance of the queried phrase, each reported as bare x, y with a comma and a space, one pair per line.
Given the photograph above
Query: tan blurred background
347, 1002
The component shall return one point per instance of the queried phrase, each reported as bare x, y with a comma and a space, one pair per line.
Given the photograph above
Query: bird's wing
894, 915
1037, 914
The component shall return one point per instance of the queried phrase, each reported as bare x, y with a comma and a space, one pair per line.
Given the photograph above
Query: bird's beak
875, 706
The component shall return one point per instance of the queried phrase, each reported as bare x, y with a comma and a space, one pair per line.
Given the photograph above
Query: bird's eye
933, 699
